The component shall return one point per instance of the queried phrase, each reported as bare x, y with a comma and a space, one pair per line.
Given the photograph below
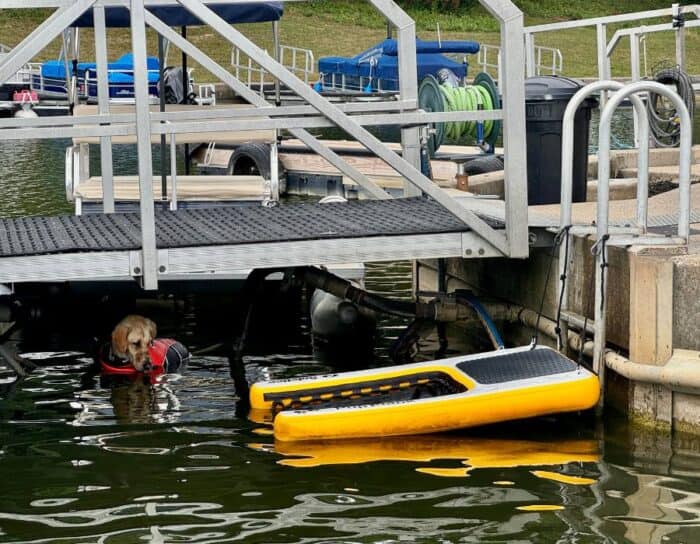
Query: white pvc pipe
677, 378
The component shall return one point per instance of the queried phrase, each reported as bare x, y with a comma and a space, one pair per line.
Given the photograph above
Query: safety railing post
679, 24
149, 256
530, 64
106, 167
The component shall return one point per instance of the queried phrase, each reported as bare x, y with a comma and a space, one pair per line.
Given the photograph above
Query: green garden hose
469, 98
482, 94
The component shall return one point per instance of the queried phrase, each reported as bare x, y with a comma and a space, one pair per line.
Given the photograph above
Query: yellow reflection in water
563, 478
472, 452
540, 508
445, 472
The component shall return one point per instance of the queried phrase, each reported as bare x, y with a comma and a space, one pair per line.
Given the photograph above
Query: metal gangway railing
634, 232
297, 60
510, 239
547, 60
605, 47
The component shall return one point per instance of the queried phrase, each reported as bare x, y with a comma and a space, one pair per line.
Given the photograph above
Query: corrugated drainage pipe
679, 374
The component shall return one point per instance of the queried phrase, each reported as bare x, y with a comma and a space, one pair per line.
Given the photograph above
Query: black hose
663, 118
330, 283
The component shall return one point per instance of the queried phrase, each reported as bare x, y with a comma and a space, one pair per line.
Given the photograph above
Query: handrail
604, 48
602, 221
644, 29
567, 159
685, 158
567, 151
610, 19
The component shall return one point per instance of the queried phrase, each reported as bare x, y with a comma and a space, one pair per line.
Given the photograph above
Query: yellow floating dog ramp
427, 397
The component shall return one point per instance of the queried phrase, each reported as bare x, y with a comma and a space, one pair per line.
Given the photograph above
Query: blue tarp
123, 66
176, 15
381, 62
391, 48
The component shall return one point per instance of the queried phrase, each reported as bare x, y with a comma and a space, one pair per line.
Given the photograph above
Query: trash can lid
551, 88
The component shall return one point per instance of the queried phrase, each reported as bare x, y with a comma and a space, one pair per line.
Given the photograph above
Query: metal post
679, 24
173, 172
603, 61
276, 51
274, 172
636, 76
513, 90
161, 102
186, 87
530, 54
149, 256
67, 67
107, 170
274, 164
408, 89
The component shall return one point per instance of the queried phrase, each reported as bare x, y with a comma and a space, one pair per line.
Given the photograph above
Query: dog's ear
151, 328
120, 343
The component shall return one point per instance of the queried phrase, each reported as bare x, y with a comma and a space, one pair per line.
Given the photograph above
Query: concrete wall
653, 308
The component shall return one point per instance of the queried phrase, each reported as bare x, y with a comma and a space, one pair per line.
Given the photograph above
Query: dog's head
131, 339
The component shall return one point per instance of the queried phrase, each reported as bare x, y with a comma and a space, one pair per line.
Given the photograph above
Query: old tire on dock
484, 165
252, 159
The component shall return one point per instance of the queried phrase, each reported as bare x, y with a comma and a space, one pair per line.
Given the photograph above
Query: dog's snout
148, 365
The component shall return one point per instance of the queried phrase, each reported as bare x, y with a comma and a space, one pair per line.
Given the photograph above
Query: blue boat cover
381, 62
176, 15
55, 69
391, 47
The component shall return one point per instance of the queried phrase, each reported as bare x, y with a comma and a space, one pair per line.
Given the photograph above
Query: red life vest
166, 355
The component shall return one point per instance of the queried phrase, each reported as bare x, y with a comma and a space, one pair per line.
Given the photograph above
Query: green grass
345, 27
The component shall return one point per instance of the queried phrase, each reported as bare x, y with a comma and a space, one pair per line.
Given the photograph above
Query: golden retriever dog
131, 338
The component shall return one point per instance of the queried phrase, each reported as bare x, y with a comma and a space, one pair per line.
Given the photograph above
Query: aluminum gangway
428, 222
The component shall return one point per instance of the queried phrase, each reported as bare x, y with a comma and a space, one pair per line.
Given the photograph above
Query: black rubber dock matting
227, 226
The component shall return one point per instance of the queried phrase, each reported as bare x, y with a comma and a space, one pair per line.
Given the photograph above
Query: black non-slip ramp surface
227, 226
521, 365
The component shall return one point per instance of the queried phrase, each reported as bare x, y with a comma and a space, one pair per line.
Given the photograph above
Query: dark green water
82, 462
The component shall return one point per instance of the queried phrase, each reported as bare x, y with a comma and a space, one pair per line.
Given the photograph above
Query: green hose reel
482, 94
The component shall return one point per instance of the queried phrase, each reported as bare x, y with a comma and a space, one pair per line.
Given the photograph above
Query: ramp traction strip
228, 226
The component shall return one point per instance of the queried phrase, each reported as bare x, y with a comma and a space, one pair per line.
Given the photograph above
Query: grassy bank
344, 27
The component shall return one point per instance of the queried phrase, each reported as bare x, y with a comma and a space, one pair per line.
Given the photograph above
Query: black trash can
546, 98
